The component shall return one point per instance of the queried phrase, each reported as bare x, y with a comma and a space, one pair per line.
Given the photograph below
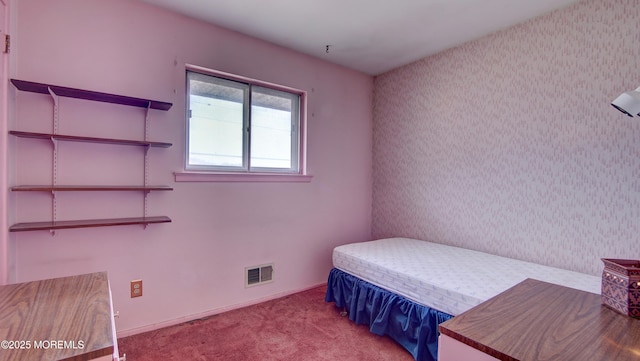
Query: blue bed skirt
413, 326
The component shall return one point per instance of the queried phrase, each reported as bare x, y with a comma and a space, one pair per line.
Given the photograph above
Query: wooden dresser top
38, 318
535, 320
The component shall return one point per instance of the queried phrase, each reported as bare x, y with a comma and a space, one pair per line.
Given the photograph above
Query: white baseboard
196, 316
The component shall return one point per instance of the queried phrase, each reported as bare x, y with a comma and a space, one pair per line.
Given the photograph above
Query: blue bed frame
413, 326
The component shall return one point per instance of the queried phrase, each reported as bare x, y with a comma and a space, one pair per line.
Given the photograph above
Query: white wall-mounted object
628, 103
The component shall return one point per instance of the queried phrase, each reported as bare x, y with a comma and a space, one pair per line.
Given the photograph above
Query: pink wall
508, 144
194, 265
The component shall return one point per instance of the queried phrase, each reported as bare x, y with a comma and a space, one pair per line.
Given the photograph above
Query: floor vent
258, 275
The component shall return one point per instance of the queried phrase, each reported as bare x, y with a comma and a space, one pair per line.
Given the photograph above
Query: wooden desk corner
68, 318
535, 320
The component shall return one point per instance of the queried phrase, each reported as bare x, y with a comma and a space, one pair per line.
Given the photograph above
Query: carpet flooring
300, 327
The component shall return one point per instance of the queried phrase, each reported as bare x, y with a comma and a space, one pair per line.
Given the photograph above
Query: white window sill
241, 177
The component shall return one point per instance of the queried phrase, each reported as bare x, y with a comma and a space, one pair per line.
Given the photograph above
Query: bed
404, 287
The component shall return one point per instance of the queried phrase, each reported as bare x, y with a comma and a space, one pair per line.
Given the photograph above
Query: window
240, 125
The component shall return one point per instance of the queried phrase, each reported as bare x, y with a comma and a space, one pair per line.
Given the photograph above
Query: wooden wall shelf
75, 138
88, 223
42, 88
48, 188
59, 91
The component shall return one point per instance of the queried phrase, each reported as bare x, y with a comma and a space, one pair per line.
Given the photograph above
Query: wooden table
536, 320
67, 318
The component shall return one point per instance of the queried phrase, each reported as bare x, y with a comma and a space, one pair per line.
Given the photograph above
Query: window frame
248, 173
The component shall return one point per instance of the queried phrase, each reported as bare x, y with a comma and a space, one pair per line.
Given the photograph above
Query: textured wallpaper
509, 144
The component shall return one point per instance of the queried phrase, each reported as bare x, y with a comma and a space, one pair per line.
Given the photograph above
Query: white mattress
449, 279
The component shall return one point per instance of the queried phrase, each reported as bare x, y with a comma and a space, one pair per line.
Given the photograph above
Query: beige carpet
297, 327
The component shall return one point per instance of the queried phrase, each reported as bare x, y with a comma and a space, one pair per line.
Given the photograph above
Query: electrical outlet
136, 288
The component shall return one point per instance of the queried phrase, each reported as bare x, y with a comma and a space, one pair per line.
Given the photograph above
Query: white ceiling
372, 36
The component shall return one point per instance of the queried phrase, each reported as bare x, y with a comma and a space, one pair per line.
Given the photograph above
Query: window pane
272, 131
237, 125
216, 135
